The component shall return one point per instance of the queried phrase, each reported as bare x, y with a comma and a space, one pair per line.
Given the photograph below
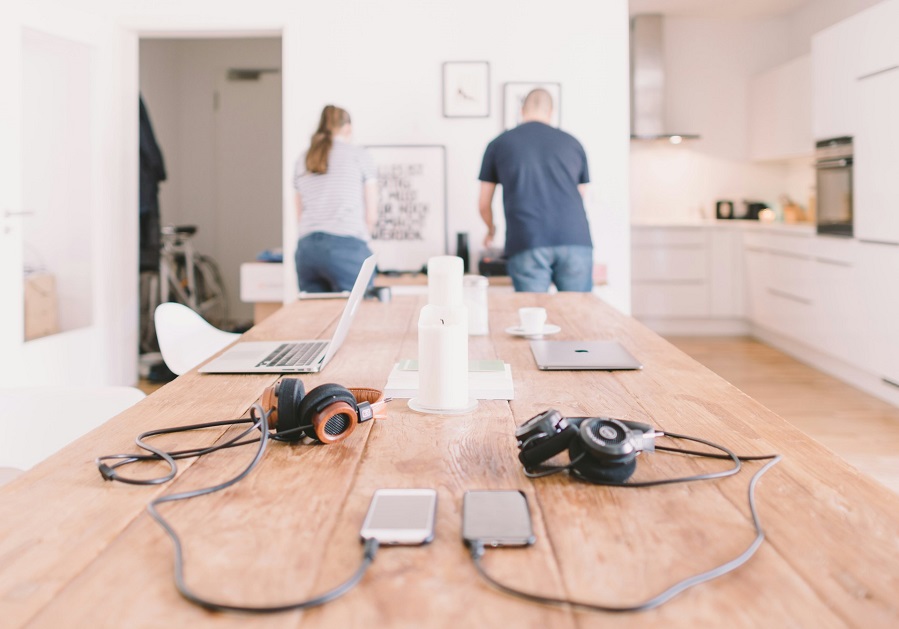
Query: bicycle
184, 276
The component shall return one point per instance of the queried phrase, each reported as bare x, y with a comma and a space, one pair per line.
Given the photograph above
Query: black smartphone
401, 516
497, 518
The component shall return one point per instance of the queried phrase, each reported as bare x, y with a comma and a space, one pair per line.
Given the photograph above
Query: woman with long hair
336, 187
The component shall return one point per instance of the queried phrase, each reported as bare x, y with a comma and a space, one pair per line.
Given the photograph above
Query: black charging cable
478, 549
108, 472
258, 420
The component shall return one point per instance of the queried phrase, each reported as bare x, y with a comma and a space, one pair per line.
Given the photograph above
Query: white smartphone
496, 518
401, 516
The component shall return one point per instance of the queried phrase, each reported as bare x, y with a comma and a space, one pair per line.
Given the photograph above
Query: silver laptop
586, 355
293, 356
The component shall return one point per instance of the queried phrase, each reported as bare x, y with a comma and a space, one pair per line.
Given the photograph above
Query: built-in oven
833, 165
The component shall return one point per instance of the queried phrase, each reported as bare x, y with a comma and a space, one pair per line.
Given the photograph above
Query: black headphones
327, 414
602, 450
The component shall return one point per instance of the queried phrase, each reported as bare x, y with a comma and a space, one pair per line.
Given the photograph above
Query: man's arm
298, 202
372, 193
485, 205
583, 188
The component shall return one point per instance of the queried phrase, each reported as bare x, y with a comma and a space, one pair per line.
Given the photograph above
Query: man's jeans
569, 267
327, 263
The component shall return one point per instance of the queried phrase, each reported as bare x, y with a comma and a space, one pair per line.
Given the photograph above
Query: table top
78, 551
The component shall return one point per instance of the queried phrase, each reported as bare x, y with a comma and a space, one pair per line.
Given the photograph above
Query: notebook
585, 355
293, 356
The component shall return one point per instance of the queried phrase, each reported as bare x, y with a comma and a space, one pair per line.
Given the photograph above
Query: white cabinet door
878, 277
834, 70
780, 112
878, 45
876, 169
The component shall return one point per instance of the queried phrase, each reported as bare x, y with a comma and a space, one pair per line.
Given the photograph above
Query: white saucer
418, 407
548, 328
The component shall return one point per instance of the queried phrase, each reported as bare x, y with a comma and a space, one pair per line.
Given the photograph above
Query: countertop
795, 228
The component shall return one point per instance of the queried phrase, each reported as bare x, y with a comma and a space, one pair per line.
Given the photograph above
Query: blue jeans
327, 263
569, 267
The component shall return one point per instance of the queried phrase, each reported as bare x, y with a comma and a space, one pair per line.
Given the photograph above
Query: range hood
648, 82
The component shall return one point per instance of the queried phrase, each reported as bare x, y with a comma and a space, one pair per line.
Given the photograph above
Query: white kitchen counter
794, 228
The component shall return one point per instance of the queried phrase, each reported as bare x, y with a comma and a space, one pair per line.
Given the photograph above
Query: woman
336, 197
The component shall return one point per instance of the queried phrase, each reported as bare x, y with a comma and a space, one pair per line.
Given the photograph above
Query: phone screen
497, 518
401, 516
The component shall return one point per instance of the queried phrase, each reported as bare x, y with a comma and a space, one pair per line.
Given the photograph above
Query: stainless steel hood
648, 82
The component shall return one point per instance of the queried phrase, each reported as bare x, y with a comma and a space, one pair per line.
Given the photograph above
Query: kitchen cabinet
835, 62
876, 167
879, 290
780, 112
669, 269
780, 272
878, 45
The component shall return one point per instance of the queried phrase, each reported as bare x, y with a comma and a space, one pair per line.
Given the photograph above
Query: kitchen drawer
670, 300
789, 244
685, 263
667, 236
835, 250
791, 316
791, 275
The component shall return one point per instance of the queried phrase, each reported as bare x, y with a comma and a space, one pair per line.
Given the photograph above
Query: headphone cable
478, 549
258, 416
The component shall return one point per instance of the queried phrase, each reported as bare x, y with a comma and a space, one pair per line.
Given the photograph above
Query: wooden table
76, 551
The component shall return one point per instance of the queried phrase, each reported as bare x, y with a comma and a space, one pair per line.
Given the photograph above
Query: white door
68, 199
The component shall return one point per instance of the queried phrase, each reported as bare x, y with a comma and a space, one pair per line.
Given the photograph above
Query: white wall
383, 64
222, 146
817, 15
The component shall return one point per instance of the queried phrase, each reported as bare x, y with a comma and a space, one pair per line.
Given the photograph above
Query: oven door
834, 179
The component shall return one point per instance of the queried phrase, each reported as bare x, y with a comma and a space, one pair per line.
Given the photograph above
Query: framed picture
466, 89
514, 95
411, 225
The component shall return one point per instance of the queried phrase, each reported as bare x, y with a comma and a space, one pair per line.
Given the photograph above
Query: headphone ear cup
331, 412
290, 394
545, 448
596, 470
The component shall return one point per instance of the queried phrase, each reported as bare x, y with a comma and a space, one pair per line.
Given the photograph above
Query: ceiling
717, 8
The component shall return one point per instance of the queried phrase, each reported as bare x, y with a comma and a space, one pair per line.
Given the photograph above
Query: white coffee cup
532, 320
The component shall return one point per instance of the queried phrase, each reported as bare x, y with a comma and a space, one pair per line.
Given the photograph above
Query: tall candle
445, 281
443, 357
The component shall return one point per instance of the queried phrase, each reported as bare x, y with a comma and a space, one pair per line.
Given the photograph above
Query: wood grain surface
77, 551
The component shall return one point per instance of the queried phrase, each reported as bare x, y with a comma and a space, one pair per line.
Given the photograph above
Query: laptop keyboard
293, 354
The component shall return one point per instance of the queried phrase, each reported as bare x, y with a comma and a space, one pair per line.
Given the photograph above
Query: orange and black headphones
327, 414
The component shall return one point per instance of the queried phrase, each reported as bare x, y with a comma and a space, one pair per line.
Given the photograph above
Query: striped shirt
334, 202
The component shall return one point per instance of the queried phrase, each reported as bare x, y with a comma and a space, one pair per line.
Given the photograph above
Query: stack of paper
487, 380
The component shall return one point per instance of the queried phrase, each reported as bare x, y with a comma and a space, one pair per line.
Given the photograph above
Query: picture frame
412, 200
466, 89
514, 94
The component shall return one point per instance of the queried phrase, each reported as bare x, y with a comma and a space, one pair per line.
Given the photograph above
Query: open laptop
293, 356
583, 355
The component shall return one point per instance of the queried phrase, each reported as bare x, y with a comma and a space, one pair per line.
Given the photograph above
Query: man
152, 171
543, 172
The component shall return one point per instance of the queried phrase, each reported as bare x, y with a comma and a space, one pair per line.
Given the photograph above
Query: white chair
35, 422
185, 338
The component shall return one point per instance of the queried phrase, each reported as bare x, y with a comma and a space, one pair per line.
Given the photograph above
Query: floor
858, 427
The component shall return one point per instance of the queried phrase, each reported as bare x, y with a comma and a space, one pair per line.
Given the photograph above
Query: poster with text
411, 225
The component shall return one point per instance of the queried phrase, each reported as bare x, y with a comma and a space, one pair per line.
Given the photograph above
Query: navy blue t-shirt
539, 168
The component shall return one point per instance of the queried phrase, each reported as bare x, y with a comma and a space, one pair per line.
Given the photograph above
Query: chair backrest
185, 338
38, 421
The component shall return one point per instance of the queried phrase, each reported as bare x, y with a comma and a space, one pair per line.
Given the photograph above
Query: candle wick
442, 322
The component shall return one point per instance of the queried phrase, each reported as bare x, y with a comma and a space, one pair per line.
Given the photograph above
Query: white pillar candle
445, 281
443, 357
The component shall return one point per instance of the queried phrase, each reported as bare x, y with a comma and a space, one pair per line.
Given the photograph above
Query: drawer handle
834, 262
890, 382
785, 295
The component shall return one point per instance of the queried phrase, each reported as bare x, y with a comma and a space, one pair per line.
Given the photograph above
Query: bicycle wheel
212, 301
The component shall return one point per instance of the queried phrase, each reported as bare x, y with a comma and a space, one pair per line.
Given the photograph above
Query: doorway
215, 108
